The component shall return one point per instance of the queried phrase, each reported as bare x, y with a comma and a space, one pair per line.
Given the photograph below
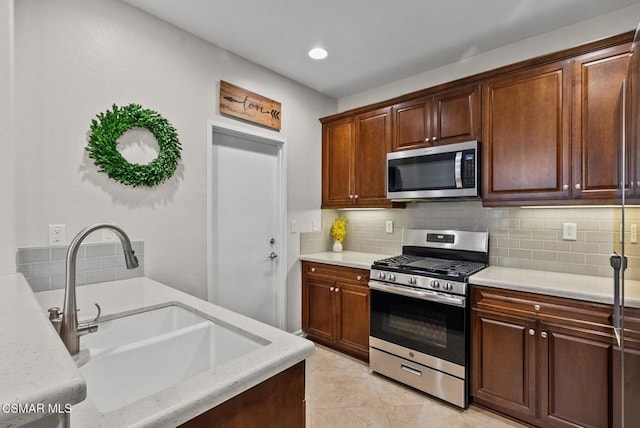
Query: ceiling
370, 42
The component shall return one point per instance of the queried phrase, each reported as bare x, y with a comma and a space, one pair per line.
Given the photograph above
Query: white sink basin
134, 328
142, 354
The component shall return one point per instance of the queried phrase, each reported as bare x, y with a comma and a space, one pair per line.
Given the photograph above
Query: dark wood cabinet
354, 156
630, 380
278, 402
543, 360
335, 307
553, 133
526, 135
550, 129
572, 360
504, 362
597, 120
444, 118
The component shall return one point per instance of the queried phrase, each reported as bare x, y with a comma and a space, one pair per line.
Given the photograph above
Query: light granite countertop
169, 407
581, 287
352, 259
36, 369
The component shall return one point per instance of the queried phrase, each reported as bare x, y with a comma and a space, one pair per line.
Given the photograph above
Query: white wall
7, 189
603, 26
74, 59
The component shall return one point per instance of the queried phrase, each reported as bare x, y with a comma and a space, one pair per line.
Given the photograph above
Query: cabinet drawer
338, 273
542, 307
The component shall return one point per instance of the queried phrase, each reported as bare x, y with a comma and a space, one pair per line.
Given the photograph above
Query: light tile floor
342, 393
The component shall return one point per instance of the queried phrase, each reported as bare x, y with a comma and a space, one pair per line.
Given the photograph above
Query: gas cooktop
419, 265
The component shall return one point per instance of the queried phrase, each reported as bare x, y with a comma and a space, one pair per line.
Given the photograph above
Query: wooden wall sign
246, 105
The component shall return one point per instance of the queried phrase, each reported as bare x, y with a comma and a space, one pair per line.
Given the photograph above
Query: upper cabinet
551, 130
552, 134
597, 123
354, 157
526, 128
444, 118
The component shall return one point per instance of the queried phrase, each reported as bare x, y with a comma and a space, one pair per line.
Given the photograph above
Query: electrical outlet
569, 231
634, 234
315, 226
293, 226
388, 226
57, 234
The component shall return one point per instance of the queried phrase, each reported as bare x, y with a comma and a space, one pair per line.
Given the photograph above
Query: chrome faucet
66, 321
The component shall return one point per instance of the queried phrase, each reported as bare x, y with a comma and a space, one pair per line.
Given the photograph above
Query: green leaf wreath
104, 138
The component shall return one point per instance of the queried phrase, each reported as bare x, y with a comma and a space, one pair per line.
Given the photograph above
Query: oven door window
432, 328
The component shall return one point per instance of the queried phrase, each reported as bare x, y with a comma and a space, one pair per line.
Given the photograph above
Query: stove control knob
434, 284
447, 286
392, 277
382, 275
412, 280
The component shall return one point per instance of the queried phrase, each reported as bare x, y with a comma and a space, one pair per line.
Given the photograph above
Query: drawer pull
359, 277
332, 289
313, 269
544, 334
337, 289
536, 307
411, 370
532, 332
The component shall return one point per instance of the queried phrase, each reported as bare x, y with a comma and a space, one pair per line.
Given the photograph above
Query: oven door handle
431, 296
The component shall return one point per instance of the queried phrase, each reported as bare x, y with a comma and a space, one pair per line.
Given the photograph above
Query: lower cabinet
335, 307
543, 360
278, 402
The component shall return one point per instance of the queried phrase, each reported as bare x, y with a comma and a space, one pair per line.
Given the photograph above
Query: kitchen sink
134, 328
142, 354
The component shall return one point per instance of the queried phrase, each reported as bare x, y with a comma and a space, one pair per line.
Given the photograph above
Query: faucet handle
90, 326
54, 313
55, 316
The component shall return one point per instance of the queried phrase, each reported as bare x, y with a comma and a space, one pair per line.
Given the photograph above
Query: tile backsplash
528, 238
44, 267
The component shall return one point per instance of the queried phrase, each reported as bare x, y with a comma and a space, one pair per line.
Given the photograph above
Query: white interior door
246, 217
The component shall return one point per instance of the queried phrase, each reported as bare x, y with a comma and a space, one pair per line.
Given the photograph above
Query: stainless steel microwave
447, 171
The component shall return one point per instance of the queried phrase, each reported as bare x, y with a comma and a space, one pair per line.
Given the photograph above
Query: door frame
265, 137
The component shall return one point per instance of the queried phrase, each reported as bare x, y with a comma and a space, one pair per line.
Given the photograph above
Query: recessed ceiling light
318, 53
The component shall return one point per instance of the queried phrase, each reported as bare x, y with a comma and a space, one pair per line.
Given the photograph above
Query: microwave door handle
458, 170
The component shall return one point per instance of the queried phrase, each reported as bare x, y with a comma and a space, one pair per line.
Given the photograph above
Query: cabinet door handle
544, 334
426, 140
532, 332
536, 307
356, 196
350, 196
577, 186
313, 269
337, 289
359, 277
332, 288
565, 187
434, 139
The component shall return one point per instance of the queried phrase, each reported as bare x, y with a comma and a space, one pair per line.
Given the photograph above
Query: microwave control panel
469, 168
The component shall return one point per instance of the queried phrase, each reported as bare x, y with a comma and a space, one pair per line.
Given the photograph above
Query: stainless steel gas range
419, 332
